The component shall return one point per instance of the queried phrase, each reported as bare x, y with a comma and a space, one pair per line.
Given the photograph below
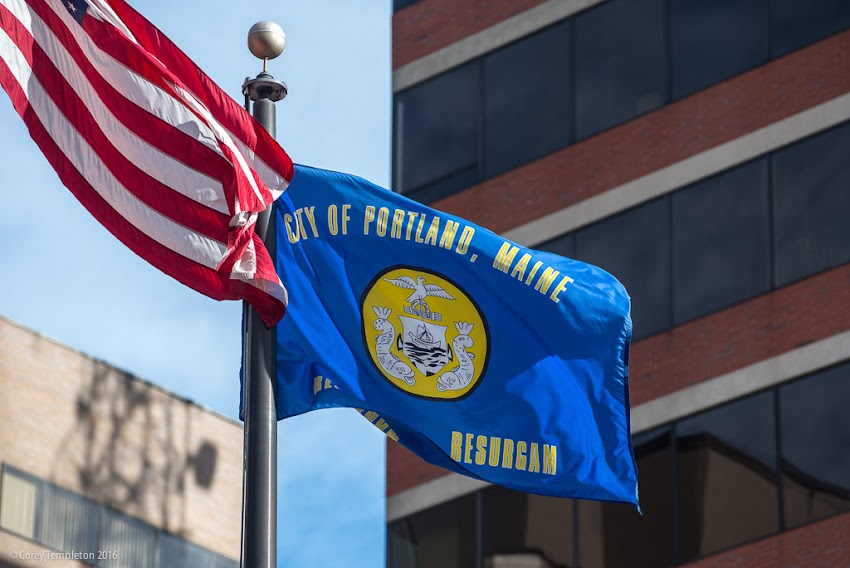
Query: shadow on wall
132, 448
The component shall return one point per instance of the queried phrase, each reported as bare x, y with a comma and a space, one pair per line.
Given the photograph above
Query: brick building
697, 150
102, 468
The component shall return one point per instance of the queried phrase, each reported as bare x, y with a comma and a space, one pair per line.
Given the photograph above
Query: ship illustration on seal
427, 343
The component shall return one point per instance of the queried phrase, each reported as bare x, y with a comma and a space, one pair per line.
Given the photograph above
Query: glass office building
697, 150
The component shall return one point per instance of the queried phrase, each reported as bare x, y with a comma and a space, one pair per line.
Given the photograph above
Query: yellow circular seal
424, 334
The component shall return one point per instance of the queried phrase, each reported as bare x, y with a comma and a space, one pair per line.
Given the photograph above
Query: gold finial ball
266, 40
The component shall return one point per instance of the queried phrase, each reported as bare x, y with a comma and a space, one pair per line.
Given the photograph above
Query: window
564, 245
442, 536
811, 202
68, 522
18, 504
815, 438
727, 476
527, 108
613, 535
620, 63
797, 23
634, 247
132, 541
177, 552
714, 40
400, 4
437, 126
721, 241
534, 529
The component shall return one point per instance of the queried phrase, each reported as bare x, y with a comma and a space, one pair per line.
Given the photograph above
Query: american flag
160, 155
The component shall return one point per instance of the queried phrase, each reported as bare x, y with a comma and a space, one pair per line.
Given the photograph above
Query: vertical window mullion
481, 122
677, 545
777, 427
479, 529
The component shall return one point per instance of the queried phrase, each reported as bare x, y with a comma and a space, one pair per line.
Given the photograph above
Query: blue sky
66, 277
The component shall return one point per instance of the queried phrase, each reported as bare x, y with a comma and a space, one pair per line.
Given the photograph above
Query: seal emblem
424, 334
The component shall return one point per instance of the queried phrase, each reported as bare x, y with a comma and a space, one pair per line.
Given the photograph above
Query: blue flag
484, 357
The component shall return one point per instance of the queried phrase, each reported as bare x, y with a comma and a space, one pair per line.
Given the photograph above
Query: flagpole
266, 40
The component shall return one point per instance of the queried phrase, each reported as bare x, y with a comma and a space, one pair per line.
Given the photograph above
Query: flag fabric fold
492, 360
150, 146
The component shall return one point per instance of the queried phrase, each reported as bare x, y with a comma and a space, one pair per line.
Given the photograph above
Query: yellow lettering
448, 239
546, 280
411, 217
345, 218
382, 424
505, 257
534, 270
432, 232
457, 440
287, 219
300, 223
368, 217
371, 416
465, 239
467, 458
328, 384
383, 216
495, 444
550, 459
519, 270
398, 221
562, 285
534, 459
317, 384
333, 222
418, 237
508, 454
520, 455
392, 435
481, 450
311, 217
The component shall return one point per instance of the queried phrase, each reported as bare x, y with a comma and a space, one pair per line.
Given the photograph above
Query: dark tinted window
721, 241
399, 4
811, 192
518, 525
714, 40
634, 247
816, 446
527, 103
726, 467
441, 536
620, 63
615, 535
563, 245
437, 132
796, 23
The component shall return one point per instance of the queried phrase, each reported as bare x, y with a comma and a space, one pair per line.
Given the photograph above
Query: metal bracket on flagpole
264, 86
266, 40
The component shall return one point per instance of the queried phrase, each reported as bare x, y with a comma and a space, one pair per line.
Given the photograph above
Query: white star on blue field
65, 276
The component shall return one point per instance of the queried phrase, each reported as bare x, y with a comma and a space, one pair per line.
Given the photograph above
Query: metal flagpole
266, 40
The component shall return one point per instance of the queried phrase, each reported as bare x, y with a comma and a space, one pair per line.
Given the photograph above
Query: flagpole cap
266, 40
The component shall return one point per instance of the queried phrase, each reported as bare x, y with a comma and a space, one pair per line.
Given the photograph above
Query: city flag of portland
484, 357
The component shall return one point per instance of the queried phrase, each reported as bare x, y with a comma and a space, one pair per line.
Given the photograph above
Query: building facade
100, 468
697, 150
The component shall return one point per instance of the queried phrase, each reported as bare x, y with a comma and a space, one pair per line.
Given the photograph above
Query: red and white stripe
160, 155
